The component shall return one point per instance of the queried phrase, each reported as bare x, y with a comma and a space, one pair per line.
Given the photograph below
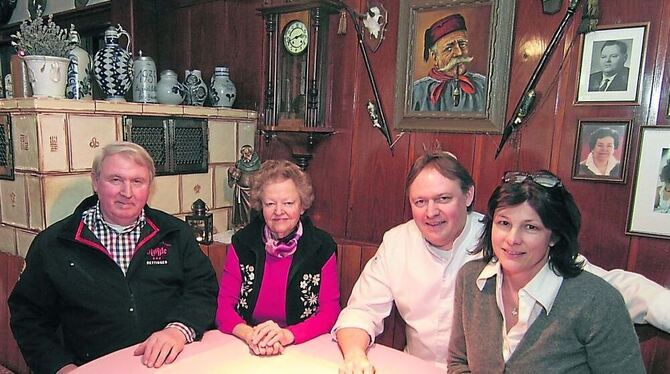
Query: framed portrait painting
601, 150
612, 64
453, 63
649, 211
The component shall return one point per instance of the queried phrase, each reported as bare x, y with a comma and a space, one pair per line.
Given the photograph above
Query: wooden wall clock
296, 94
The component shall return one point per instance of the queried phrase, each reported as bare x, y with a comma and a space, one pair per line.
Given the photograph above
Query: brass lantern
202, 222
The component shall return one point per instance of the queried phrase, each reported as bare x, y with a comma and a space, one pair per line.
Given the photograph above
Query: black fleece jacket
71, 284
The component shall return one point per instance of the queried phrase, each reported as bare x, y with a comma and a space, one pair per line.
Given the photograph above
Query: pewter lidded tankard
113, 66
144, 83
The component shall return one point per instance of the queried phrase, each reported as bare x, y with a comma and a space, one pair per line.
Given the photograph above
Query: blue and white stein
196, 89
112, 65
222, 90
78, 84
169, 90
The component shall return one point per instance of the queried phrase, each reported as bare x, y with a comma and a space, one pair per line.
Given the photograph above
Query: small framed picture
601, 150
649, 211
612, 64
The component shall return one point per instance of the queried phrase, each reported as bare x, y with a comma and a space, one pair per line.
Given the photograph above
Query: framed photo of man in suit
612, 63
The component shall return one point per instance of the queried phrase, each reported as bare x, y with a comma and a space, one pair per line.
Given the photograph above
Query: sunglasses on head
544, 179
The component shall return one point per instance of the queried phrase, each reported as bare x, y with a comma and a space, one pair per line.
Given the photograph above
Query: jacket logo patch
158, 255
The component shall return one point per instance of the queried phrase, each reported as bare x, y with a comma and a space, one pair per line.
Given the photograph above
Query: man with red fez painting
448, 86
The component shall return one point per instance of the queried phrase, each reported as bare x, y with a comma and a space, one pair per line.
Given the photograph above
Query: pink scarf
282, 247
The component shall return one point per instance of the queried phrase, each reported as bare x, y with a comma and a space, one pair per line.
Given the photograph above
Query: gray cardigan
587, 331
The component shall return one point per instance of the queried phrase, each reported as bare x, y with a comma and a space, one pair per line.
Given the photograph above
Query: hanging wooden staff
525, 105
375, 110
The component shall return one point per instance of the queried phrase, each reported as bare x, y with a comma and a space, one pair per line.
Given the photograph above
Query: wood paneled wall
205, 34
359, 182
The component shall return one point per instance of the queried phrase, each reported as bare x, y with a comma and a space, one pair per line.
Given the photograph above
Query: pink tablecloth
221, 353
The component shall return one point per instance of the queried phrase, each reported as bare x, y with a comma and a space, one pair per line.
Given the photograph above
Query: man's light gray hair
131, 150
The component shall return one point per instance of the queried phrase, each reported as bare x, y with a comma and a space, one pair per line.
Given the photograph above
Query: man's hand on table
356, 363
162, 347
353, 343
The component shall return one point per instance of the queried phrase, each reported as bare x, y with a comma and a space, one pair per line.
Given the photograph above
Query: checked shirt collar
120, 245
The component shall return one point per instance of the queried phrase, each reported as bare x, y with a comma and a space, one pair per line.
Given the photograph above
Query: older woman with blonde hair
280, 284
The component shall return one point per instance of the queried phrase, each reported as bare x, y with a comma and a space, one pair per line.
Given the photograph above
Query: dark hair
277, 171
558, 212
603, 132
622, 46
446, 164
665, 172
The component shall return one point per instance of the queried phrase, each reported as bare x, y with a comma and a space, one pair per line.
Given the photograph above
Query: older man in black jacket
113, 274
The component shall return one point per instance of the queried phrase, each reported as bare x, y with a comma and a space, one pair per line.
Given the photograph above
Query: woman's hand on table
269, 332
265, 339
249, 335
270, 350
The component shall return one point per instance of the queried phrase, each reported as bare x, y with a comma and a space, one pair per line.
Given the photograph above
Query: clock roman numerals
296, 37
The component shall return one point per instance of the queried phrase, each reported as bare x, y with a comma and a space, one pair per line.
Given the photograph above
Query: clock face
295, 37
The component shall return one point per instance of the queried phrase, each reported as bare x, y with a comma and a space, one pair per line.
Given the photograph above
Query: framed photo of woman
612, 64
649, 212
601, 150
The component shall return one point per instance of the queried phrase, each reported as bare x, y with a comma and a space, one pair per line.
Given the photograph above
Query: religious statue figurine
239, 178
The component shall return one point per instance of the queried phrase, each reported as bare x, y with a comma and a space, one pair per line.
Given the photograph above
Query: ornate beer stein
144, 83
112, 65
78, 71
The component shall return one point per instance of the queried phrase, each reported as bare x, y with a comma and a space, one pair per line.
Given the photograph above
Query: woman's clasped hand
268, 339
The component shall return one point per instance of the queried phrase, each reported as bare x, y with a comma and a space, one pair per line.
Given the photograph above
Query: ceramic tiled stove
55, 141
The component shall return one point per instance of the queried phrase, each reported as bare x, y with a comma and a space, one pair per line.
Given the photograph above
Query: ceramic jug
222, 90
112, 65
144, 82
196, 89
168, 89
78, 84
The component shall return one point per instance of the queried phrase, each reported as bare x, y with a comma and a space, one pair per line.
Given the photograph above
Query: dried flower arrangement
36, 38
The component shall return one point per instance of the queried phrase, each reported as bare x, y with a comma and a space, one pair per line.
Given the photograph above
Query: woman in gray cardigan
528, 307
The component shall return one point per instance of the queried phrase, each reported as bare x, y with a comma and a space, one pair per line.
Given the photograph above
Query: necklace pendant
515, 312
456, 95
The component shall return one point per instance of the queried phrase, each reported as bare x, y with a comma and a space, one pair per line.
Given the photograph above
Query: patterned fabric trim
246, 287
309, 288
